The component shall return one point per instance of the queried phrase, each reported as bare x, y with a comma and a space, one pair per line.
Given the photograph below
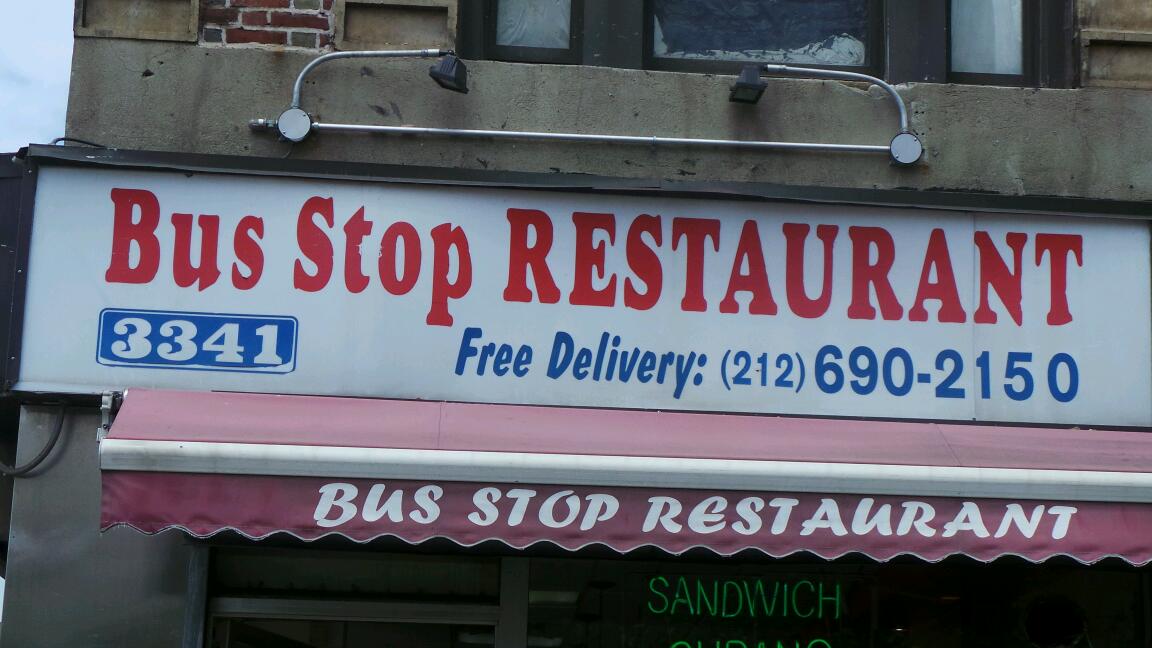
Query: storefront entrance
335, 599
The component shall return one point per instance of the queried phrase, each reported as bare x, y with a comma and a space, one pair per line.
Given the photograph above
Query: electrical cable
76, 141
20, 471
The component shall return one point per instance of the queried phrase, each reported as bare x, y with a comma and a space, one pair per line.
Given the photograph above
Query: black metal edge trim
11, 190
17, 288
11, 166
932, 198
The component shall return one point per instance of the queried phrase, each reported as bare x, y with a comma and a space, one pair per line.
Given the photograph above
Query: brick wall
287, 23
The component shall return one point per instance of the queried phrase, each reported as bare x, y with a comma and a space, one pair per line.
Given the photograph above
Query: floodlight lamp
450, 73
748, 87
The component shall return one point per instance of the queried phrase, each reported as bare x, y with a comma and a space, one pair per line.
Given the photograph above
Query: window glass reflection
987, 36
811, 604
831, 32
305, 633
534, 23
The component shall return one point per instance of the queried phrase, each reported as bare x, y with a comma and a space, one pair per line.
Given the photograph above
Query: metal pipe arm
299, 85
845, 76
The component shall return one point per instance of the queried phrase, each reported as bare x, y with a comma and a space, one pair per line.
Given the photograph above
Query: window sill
1089, 36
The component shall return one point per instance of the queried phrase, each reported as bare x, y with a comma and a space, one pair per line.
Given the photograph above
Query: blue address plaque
198, 341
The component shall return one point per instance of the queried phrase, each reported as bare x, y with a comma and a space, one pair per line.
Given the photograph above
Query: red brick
324, 40
263, 4
255, 36
218, 15
328, 5
254, 19
307, 21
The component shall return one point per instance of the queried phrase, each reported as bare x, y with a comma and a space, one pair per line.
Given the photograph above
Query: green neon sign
739, 643
729, 599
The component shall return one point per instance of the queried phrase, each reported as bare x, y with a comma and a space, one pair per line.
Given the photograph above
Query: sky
35, 59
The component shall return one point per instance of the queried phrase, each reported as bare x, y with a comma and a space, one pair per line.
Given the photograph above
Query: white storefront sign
168, 280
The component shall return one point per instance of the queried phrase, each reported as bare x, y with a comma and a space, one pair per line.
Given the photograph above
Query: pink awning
312, 466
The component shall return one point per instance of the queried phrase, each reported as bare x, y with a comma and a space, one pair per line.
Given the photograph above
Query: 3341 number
212, 341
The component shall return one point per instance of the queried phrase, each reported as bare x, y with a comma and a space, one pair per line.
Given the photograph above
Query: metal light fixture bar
589, 137
295, 124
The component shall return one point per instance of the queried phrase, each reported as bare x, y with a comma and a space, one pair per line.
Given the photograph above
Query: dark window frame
874, 49
912, 42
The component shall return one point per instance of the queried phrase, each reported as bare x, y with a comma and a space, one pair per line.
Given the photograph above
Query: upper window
829, 33
1011, 42
534, 23
986, 37
540, 31
1001, 42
